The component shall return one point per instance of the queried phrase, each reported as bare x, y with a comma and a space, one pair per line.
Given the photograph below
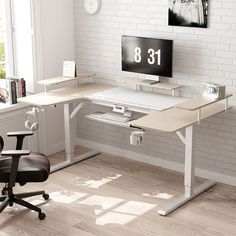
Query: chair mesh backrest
1, 143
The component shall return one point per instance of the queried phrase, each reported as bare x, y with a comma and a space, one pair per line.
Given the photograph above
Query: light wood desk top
175, 119
64, 95
170, 120
105, 93
63, 79
199, 102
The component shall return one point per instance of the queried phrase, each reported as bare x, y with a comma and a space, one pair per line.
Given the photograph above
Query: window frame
11, 46
8, 43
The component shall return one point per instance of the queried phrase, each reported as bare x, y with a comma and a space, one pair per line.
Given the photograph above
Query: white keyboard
112, 116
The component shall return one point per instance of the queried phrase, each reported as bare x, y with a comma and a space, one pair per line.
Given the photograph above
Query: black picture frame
189, 13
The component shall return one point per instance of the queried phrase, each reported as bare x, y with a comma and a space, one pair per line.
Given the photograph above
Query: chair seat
32, 168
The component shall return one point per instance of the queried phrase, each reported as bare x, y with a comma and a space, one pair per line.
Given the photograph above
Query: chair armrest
20, 133
14, 153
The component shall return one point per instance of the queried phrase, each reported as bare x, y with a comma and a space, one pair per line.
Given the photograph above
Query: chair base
18, 199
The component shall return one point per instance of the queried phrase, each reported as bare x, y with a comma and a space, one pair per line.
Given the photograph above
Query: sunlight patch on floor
4, 234
110, 210
98, 183
37, 201
165, 196
125, 213
134, 207
101, 203
66, 196
114, 218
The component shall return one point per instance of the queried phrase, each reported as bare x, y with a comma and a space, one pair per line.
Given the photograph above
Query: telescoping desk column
184, 116
67, 96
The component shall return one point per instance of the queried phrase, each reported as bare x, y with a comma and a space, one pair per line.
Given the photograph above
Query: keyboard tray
112, 116
101, 117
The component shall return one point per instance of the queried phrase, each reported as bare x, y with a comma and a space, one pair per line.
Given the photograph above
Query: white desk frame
189, 171
190, 191
189, 175
67, 96
69, 127
69, 121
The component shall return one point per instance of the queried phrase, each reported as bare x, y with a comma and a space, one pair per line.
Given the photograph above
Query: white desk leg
189, 167
70, 129
189, 176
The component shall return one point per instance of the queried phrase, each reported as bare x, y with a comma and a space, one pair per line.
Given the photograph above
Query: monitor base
149, 81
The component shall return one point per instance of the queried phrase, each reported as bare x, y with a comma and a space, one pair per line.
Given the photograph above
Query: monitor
147, 56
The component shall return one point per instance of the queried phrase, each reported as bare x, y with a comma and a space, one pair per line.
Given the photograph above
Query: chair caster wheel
45, 196
42, 216
11, 204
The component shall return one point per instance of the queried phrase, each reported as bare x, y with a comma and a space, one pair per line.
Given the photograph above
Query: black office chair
19, 166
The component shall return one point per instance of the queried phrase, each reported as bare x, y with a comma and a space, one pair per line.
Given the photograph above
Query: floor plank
111, 196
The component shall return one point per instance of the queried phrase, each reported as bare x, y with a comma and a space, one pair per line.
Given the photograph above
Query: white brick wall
199, 55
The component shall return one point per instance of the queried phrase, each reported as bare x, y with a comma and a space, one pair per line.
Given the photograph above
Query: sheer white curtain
23, 41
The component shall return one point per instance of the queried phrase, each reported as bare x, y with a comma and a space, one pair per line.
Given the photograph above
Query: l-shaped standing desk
160, 112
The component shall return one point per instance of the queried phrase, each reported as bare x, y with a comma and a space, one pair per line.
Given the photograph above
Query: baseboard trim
226, 179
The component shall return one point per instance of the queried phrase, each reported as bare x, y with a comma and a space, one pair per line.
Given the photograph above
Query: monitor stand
151, 80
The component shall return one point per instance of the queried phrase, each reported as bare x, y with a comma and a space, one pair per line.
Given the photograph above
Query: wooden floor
109, 195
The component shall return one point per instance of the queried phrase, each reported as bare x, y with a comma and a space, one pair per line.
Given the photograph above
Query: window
16, 41
6, 56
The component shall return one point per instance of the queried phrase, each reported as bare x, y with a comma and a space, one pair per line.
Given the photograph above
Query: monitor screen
147, 55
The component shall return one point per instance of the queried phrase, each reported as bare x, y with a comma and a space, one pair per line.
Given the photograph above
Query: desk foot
72, 161
184, 199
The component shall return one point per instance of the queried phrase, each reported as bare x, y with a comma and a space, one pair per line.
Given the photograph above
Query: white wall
54, 42
199, 55
55, 38
14, 121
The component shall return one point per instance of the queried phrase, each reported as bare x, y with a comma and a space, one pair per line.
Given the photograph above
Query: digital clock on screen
147, 55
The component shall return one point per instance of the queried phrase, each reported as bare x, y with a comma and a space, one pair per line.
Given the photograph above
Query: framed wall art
191, 13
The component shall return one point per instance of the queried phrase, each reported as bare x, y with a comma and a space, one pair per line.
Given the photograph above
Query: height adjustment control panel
119, 109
